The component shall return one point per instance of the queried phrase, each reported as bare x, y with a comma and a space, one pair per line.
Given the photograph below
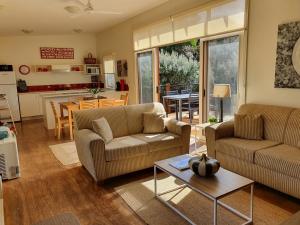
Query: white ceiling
49, 16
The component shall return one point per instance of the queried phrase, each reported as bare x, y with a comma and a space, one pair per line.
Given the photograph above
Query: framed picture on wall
287, 73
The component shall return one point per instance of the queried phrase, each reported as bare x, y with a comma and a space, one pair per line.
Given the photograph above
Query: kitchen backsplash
59, 87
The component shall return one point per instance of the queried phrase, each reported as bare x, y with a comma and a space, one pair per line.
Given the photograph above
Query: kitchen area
34, 102
54, 68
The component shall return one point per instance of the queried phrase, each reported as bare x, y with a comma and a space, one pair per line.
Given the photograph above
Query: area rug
62, 219
66, 153
139, 196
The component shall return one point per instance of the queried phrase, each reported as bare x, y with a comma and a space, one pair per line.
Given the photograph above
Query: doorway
179, 76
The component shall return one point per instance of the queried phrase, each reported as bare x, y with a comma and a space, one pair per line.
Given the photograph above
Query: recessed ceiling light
78, 31
72, 9
26, 31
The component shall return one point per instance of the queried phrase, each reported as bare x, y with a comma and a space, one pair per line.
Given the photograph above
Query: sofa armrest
91, 152
215, 132
182, 129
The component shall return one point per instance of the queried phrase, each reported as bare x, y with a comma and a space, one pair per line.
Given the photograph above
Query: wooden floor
46, 188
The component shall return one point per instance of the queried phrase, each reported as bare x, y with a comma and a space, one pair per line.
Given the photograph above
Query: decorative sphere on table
204, 166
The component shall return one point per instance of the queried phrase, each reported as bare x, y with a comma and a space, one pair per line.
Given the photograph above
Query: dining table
179, 98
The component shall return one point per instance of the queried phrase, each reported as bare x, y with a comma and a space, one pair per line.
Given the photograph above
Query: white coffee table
222, 184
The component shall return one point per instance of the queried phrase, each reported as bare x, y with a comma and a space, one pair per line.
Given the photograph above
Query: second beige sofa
274, 161
130, 150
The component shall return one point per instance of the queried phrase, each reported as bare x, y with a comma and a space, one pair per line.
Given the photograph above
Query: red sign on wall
57, 53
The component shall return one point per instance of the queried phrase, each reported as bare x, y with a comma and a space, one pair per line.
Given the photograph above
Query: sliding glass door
222, 68
145, 76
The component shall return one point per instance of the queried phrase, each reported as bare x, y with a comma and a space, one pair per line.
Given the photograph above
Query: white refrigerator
8, 86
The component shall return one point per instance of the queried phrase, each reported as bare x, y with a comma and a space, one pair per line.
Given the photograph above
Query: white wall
265, 15
119, 39
19, 50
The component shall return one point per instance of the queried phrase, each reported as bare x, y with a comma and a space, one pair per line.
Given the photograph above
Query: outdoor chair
172, 104
192, 105
185, 91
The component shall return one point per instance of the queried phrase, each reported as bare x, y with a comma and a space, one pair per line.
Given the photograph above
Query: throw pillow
249, 126
153, 123
101, 127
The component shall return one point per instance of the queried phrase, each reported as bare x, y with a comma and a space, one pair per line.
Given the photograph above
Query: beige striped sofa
274, 161
130, 150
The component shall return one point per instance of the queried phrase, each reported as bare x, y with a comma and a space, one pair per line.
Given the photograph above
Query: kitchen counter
54, 92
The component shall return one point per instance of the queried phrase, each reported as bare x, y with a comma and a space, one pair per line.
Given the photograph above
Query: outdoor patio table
179, 99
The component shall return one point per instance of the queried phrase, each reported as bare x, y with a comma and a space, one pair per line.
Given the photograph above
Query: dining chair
172, 103
60, 122
125, 98
88, 104
192, 105
119, 102
106, 103
185, 91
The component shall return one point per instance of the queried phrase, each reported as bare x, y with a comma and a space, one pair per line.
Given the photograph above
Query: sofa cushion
101, 127
161, 141
275, 119
292, 133
284, 159
125, 147
153, 123
242, 148
248, 126
135, 115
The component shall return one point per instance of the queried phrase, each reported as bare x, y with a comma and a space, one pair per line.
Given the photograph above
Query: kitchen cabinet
30, 104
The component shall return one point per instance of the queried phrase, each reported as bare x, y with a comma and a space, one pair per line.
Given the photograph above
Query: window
145, 73
109, 71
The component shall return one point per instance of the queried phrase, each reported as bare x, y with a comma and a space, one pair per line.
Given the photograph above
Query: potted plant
212, 120
95, 92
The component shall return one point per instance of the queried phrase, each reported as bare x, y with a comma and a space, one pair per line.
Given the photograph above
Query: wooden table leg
70, 123
61, 111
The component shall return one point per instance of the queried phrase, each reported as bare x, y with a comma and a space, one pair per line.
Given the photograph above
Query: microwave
92, 70
6, 68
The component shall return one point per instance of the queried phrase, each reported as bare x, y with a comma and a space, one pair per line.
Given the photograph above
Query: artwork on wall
122, 68
56, 53
287, 73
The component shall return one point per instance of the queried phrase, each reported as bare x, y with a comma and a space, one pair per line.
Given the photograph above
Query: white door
12, 96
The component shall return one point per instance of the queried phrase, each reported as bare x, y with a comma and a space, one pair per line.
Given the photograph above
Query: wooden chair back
106, 102
119, 102
88, 104
56, 115
124, 98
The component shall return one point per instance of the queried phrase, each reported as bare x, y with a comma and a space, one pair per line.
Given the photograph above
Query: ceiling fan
86, 8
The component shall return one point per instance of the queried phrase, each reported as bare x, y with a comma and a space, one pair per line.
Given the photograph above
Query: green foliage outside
179, 65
